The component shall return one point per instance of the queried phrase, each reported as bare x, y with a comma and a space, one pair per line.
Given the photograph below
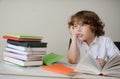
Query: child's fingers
101, 61
72, 29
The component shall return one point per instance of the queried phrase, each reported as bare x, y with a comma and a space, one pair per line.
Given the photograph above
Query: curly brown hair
90, 18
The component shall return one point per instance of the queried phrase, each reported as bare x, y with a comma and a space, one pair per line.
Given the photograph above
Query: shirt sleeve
111, 48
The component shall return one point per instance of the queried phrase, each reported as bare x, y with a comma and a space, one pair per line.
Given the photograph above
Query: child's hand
73, 31
101, 61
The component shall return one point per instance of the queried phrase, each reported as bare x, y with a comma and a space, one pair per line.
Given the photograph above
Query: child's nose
78, 29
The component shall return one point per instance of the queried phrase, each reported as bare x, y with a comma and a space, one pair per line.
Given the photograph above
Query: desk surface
12, 71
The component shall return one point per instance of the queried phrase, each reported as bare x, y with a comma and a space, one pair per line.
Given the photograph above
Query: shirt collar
93, 42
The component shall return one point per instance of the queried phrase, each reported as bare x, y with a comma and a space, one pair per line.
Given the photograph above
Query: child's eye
75, 26
82, 25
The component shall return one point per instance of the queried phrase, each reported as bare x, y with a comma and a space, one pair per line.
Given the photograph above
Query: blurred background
49, 18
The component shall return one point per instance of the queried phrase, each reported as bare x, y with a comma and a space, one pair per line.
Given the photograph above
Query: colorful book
28, 44
23, 57
21, 48
59, 68
20, 39
22, 63
51, 58
23, 36
26, 52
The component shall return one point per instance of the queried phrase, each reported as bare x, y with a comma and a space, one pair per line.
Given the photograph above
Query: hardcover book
23, 57
25, 52
22, 48
23, 63
59, 68
20, 39
27, 44
23, 36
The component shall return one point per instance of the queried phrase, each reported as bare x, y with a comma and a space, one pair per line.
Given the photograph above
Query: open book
89, 65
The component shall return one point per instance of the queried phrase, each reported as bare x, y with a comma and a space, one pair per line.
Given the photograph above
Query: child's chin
80, 38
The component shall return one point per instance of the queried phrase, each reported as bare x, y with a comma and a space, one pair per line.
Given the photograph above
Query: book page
112, 67
88, 65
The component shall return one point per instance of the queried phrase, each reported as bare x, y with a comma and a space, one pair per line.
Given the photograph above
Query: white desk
11, 71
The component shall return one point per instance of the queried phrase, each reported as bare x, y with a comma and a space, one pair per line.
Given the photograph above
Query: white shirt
102, 47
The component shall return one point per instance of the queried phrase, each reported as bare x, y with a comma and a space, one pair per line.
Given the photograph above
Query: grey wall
48, 18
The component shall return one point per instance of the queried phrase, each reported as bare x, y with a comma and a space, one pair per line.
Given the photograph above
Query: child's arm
73, 51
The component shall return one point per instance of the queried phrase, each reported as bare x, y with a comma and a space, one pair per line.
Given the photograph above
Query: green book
23, 36
51, 58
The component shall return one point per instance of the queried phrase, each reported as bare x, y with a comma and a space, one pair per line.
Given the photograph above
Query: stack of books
24, 50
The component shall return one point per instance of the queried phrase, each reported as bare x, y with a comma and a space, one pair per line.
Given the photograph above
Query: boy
87, 32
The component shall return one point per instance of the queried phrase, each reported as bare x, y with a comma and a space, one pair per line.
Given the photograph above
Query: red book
20, 39
59, 68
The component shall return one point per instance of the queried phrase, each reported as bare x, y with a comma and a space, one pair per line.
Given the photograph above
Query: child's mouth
79, 35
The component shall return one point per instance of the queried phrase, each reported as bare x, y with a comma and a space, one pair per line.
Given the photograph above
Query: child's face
83, 31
